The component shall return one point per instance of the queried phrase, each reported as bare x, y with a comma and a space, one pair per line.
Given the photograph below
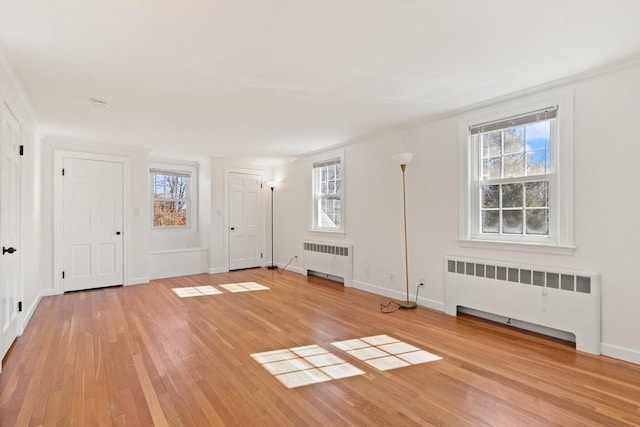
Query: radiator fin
525, 276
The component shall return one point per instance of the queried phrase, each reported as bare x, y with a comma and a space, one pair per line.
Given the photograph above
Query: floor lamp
272, 185
403, 159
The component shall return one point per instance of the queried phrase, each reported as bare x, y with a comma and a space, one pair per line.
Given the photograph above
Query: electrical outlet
392, 275
421, 281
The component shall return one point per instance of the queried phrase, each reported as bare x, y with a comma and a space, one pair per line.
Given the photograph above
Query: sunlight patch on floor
244, 287
300, 366
196, 291
384, 352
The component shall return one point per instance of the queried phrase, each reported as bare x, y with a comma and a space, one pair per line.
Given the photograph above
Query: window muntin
170, 193
328, 186
514, 164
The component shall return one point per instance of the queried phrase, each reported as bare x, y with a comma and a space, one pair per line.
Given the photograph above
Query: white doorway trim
227, 171
58, 162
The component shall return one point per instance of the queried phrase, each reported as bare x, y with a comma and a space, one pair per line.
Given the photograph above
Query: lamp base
272, 267
408, 304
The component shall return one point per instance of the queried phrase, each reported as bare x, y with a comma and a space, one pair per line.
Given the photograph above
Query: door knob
233, 228
118, 233
9, 250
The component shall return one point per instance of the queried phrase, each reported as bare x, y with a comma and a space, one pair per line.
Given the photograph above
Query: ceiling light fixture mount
99, 103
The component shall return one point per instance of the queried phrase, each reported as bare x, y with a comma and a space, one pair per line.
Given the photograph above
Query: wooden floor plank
142, 356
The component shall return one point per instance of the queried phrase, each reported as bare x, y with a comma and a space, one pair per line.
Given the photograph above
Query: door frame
227, 171
58, 211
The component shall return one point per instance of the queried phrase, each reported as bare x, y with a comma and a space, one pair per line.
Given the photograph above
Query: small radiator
554, 298
332, 259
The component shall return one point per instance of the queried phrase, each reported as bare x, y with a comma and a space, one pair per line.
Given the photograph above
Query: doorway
10, 200
245, 220
90, 234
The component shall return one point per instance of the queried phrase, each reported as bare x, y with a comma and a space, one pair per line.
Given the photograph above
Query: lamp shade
272, 184
403, 158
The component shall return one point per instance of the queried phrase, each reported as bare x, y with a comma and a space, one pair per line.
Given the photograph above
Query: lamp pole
404, 159
272, 185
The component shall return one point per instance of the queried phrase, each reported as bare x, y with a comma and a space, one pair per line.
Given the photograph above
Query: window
170, 192
514, 164
517, 176
328, 187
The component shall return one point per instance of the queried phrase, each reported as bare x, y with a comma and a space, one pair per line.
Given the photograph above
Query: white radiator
554, 298
332, 259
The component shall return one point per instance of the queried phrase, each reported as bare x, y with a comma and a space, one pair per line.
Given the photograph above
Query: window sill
340, 233
537, 248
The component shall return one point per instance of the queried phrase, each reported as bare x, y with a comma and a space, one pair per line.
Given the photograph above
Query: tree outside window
170, 193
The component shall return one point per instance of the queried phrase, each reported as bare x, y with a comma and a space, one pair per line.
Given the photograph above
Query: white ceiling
279, 79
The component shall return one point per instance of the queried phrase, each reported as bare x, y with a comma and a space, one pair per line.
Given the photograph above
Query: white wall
31, 231
606, 203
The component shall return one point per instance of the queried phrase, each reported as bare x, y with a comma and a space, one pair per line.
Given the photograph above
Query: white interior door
245, 227
92, 224
10, 170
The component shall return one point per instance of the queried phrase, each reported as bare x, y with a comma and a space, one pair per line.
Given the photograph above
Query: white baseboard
622, 353
137, 281
218, 270
400, 296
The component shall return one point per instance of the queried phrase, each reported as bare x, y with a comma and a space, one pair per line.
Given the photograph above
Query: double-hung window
327, 192
514, 174
170, 195
517, 174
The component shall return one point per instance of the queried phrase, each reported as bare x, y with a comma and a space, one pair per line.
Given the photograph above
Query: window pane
490, 196
512, 195
538, 221
514, 140
331, 187
338, 171
513, 165
331, 172
538, 136
512, 222
537, 193
490, 221
323, 188
169, 199
491, 168
537, 162
492, 144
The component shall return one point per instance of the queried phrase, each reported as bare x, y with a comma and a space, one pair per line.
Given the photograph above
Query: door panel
245, 228
92, 216
10, 169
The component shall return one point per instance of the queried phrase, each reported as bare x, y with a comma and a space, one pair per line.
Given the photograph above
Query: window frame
313, 217
560, 176
191, 215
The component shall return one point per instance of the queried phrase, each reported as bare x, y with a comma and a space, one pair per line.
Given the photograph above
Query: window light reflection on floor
384, 352
196, 291
300, 366
244, 287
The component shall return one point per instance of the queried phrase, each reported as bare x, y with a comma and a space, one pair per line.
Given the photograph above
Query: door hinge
22, 150
19, 306
260, 185
260, 254
63, 274
62, 171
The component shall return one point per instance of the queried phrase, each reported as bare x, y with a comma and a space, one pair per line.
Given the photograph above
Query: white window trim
192, 195
561, 238
336, 154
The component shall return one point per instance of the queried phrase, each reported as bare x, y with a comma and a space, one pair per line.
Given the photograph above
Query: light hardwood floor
140, 356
